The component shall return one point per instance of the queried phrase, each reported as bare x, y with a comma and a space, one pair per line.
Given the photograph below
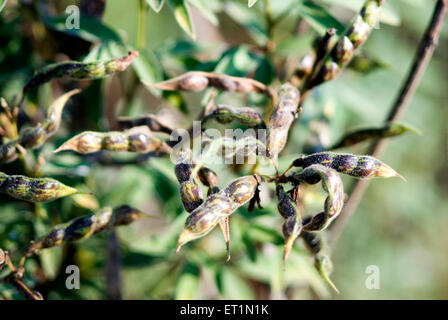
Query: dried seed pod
149, 120
281, 119
35, 137
304, 68
354, 37
317, 245
332, 184
225, 114
360, 135
190, 191
33, 189
292, 226
209, 178
199, 81
79, 71
8, 151
83, 227
217, 206
132, 141
312, 61
354, 165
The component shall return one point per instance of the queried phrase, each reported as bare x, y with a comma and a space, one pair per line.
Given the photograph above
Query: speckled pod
292, 226
317, 245
33, 189
199, 81
281, 119
357, 136
217, 206
91, 141
209, 178
35, 137
354, 165
79, 70
332, 184
225, 114
354, 37
149, 120
190, 191
83, 227
8, 151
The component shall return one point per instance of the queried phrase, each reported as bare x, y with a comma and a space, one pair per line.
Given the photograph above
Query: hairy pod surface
292, 226
8, 151
190, 191
332, 185
79, 71
33, 189
354, 37
199, 81
281, 119
91, 141
85, 226
357, 166
218, 206
225, 114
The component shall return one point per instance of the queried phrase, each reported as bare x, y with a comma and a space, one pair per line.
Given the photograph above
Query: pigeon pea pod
198, 81
332, 184
33, 189
281, 119
35, 137
140, 140
83, 227
190, 191
225, 114
354, 37
292, 226
217, 206
79, 70
149, 120
358, 166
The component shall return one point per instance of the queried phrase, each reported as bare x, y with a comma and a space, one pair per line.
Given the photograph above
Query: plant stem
141, 27
421, 60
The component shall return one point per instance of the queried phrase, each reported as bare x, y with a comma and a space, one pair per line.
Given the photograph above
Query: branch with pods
148, 135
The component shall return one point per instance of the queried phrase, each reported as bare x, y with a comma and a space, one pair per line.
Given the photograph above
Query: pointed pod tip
64, 147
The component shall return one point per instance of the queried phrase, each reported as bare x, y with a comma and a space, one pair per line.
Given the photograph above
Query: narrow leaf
156, 5
182, 14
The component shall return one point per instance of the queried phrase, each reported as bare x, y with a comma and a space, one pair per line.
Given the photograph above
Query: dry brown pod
199, 81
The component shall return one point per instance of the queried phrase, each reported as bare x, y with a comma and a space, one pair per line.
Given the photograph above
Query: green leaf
147, 68
156, 5
251, 3
205, 10
318, 17
235, 287
92, 30
182, 15
187, 285
2, 6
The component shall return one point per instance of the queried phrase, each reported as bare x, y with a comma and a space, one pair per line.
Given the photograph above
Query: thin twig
421, 60
113, 268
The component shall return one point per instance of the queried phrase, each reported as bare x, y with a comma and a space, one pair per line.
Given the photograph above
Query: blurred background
399, 227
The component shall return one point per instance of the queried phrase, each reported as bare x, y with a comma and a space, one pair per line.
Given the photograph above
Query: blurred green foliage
399, 226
